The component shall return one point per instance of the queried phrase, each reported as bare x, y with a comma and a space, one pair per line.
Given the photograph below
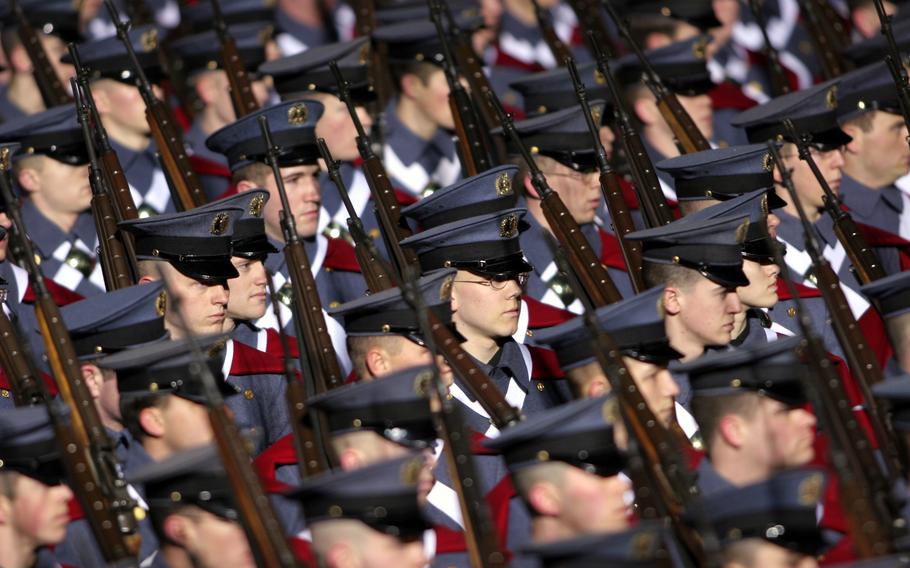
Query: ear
245, 185
147, 279
544, 498
205, 87
6, 506
341, 555
597, 387
350, 459
411, 85
19, 60
672, 300
93, 379
178, 529
29, 180
529, 188
377, 362
854, 145
732, 430
646, 110
152, 422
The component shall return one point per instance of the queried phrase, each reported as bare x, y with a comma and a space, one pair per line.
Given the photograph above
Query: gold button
248, 394
4, 393
334, 304
529, 333
791, 311
540, 386
736, 383
327, 268
543, 455
357, 423
675, 259
139, 513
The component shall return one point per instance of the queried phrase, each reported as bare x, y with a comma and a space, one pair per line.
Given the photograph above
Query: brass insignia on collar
599, 77
767, 162
503, 185
297, 114
810, 489
256, 205
219, 224
699, 47
161, 304
422, 382
508, 227
764, 204
149, 40
831, 98
410, 471
741, 231
445, 290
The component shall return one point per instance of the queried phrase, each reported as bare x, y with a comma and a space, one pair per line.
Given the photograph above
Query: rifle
597, 283
609, 186
53, 93
780, 85
471, 140
647, 187
309, 321
828, 45
24, 377
852, 454
89, 455
688, 138
186, 191
662, 482
242, 97
116, 267
559, 49
590, 20
895, 64
479, 531
374, 268
865, 262
260, 523
365, 13
394, 227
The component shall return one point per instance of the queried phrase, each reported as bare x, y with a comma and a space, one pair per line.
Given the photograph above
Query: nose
64, 492
365, 118
219, 294
807, 417
837, 159
512, 288
734, 305
667, 384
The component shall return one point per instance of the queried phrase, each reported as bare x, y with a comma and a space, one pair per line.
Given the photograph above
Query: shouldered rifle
89, 455
374, 268
865, 262
309, 321
609, 186
306, 428
388, 211
688, 138
24, 378
51, 88
597, 283
895, 64
647, 186
186, 190
557, 47
115, 263
852, 453
590, 20
823, 35
260, 523
365, 14
780, 85
468, 130
479, 531
242, 97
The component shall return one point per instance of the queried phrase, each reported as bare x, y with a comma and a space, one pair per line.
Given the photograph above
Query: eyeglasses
499, 283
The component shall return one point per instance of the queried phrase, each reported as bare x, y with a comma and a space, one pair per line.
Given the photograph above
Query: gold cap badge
810, 489
508, 227
149, 40
422, 382
256, 205
161, 303
220, 224
741, 231
445, 289
297, 114
503, 185
831, 98
767, 162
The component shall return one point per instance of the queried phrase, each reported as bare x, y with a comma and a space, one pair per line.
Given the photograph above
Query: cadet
895, 392
199, 59
192, 507
750, 407
419, 154
889, 296
122, 112
34, 499
366, 517
50, 168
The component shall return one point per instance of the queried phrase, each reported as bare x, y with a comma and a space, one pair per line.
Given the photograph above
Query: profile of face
779, 436
706, 311
431, 97
210, 541
761, 291
179, 424
763, 554
878, 155
830, 163
213, 89
248, 292
345, 543
657, 387
202, 305
480, 310
593, 504
337, 128
701, 110
121, 107
363, 448
55, 187
580, 192
37, 513
301, 183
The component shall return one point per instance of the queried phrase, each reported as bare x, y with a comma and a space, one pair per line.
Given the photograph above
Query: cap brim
732, 276
206, 270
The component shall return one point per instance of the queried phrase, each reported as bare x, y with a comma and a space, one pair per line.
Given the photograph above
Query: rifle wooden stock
242, 98
780, 84
51, 88
609, 186
596, 281
559, 49
186, 191
374, 268
24, 378
827, 44
895, 64
89, 455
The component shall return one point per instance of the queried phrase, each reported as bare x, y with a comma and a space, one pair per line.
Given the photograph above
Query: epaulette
628, 193
340, 256
541, 315
250, 361
205, 167
62, 296
404, 198
279, 454
274, 346
783, 291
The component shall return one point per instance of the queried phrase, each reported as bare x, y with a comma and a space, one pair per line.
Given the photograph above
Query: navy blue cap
248, 238
293, 126
202, 51
104, 324
487, 192
309, 70
190, 477
781, 510
866, 89
896, 390
875, 48
712, 247
387, 312
55, 133
201, 16
197, 243
562, 135
165, 368
29, 445
394, 406
758, 244
812, 111
50, 17
721, 173
486, 244
415, 41
681, 66
699, 13
552, 90
771, 369
579, 433
642, 546
383, 495
636, 324
107, 58
890, 294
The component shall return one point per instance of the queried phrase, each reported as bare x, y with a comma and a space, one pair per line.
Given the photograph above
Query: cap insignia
256, 205
4, 159
699, 47
410, 471
297, 114
741, 231
149, 40
161, 304
810, 489
596, 115
610, 411
764, 206
503, 185
599, 77
422, 382
219, 224
831, 98
363, 56
508, 227
445, 289
767, 162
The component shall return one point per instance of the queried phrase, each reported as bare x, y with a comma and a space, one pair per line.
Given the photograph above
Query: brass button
791, 311
540, 386
334, 304
543, 455
529, 333
4, 393
248, 394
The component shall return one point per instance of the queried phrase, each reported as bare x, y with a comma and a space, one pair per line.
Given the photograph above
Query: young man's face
302, 186
579, 191
57, 187
4, 242
594, 504
185, 424
657, 387
370, 448
432, 98
779, 436
762, 289
121, 107
810, 193
701, 110
880, 154
203, 306
707, 310
39, 513
336, 126
481, 311
249, 291
213, 541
